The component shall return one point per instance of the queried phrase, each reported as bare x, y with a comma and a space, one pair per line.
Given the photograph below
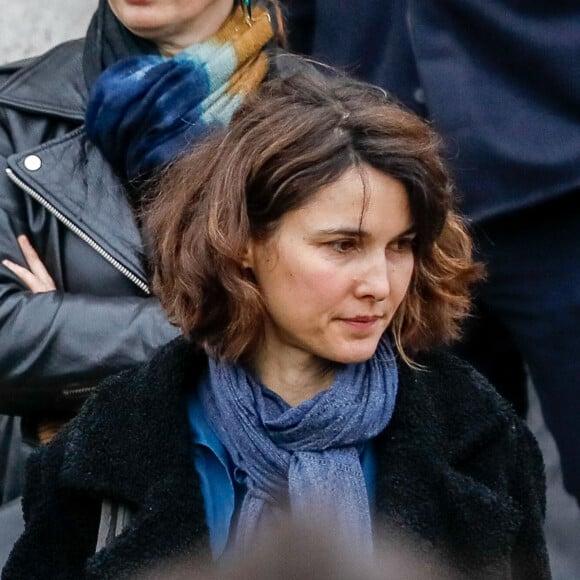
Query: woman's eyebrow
344, 231
410, 231
360, 233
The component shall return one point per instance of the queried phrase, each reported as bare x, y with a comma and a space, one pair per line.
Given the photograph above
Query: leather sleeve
57, 345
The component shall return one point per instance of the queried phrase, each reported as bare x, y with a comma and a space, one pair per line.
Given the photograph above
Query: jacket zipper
77, 231
79, 392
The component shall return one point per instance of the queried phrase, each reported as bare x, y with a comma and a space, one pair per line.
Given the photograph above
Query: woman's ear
248, 257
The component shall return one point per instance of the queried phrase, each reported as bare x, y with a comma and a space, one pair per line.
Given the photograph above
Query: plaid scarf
145, 111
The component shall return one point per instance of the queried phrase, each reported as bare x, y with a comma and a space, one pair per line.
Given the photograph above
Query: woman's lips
362, 322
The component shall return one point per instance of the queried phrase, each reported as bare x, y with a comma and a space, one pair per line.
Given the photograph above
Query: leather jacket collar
52, 84
92, 203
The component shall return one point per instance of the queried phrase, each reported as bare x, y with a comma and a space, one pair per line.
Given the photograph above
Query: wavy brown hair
289, 140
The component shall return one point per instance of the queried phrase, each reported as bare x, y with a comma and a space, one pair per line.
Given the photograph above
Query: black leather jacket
56, 188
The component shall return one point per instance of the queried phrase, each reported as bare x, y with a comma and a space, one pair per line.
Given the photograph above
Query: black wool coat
456, 471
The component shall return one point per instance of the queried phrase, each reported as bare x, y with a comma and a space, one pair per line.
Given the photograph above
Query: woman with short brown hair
311, 256
240, 185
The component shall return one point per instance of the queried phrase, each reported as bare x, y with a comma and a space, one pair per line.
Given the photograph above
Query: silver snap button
32, 163
419, 95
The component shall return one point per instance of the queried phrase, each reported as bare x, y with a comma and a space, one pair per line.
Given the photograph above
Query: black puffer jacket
56, 188
456, 470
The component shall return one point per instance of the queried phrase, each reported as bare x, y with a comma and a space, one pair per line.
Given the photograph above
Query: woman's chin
353, 352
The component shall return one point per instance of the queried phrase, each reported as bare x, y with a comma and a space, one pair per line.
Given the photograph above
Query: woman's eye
343, 246
403, 245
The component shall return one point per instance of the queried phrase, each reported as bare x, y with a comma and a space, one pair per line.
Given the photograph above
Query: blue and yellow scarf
145, 111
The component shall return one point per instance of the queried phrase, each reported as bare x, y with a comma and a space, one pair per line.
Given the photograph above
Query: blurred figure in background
501, 82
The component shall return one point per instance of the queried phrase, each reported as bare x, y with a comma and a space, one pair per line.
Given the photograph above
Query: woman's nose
373, 279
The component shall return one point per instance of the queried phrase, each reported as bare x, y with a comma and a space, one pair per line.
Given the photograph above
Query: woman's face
172, 24
332, 283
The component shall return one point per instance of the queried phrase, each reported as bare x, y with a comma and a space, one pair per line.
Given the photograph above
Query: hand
36, 277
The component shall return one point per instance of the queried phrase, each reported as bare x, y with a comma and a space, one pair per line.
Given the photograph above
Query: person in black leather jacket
75, 303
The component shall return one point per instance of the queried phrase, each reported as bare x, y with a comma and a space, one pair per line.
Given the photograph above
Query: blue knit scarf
304, 457
145, 111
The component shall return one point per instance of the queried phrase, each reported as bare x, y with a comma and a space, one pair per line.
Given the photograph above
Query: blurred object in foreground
303, 553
